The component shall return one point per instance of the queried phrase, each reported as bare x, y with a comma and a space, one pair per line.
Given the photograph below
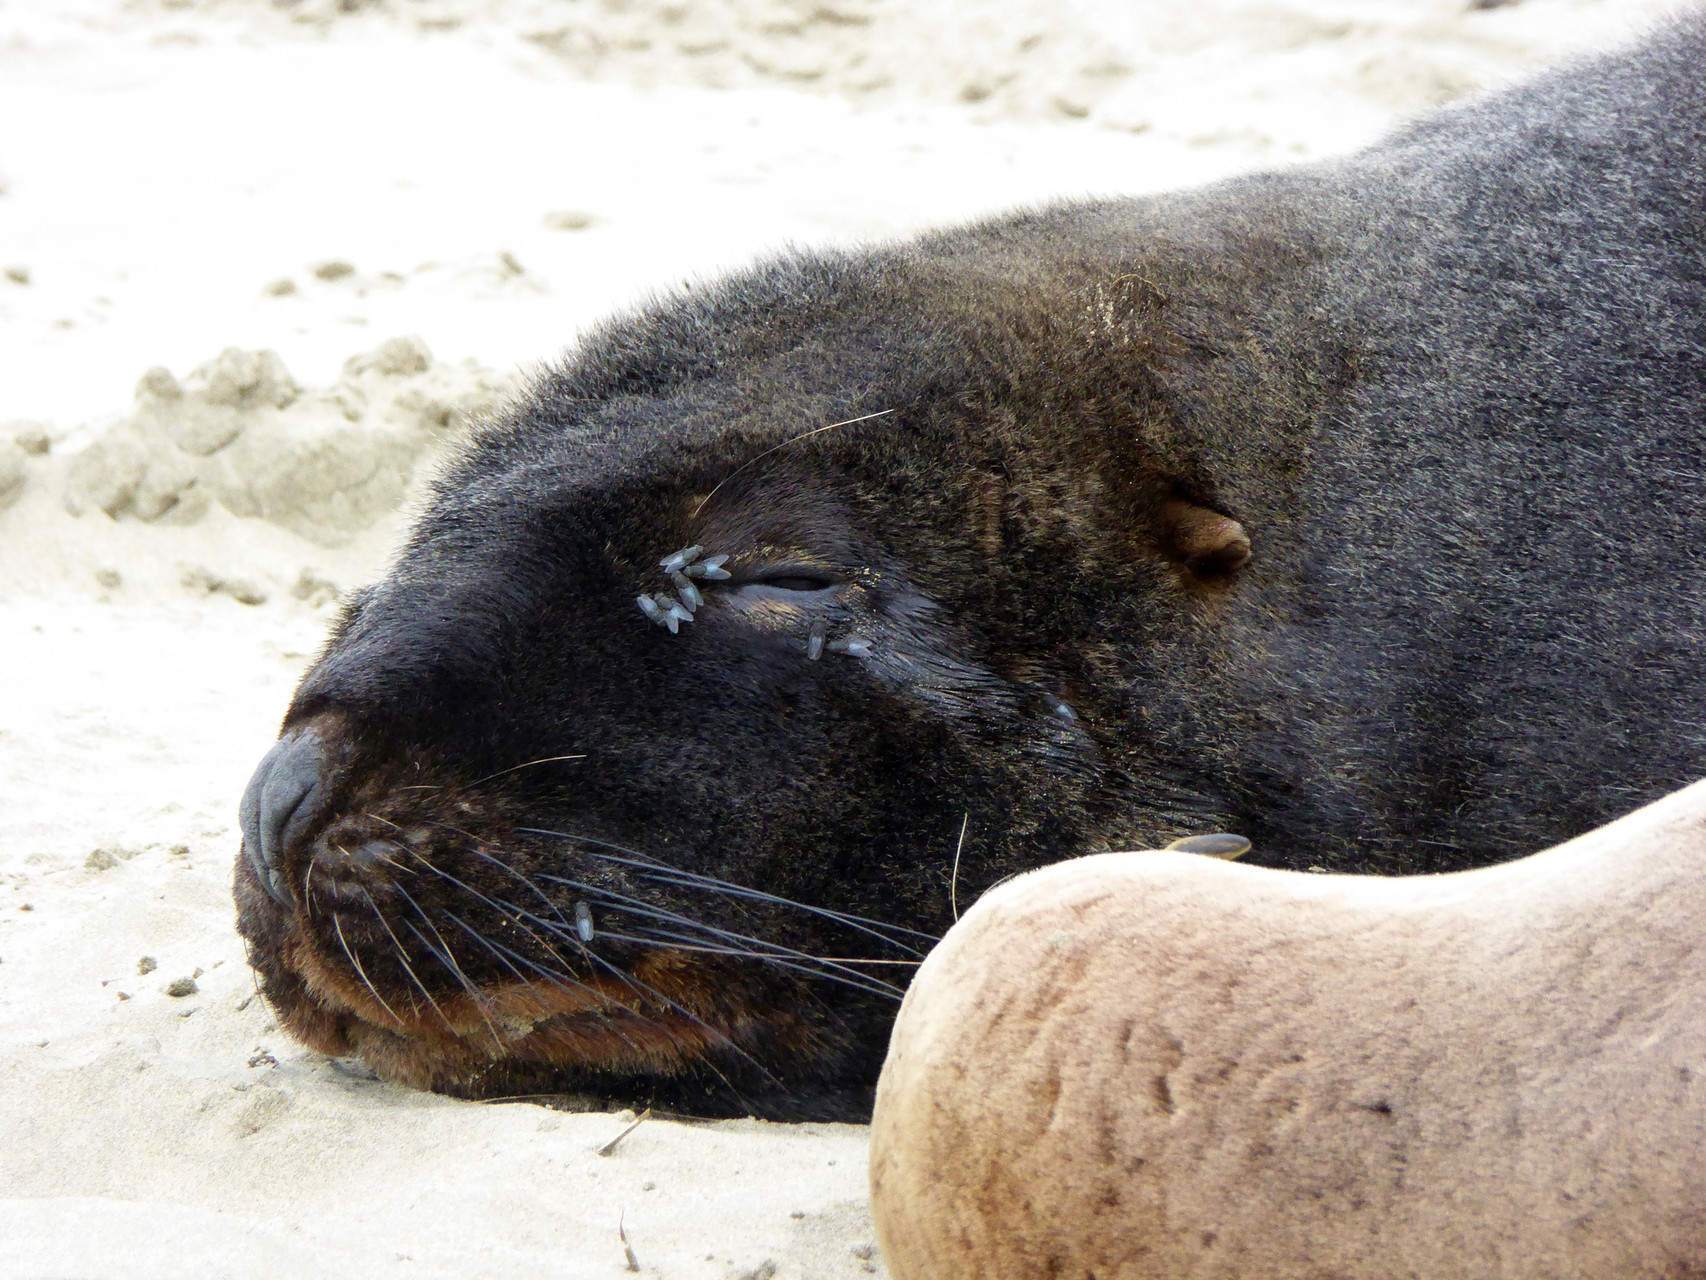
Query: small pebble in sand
12, 473
314, 590
394, 358
282, 287
241, 590
147, 964
181, 987
333, 270
111, 579
264, 1106
101, 860
17, 274
32, 437
568, 220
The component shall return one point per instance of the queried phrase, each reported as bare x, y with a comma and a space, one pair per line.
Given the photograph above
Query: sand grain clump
239, 431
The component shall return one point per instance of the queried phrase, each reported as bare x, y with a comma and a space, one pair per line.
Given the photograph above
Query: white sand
497, 176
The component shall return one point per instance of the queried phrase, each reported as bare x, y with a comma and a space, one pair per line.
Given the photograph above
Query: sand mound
240, 432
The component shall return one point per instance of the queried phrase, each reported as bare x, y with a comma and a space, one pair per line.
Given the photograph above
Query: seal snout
287, 792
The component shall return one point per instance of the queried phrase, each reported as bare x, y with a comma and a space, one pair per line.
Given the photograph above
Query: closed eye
794, 587
792, 582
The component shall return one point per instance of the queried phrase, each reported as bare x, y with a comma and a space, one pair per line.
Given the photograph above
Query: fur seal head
644, 771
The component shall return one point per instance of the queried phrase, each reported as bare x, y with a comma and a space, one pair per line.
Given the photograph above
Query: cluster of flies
670, 611
681, 567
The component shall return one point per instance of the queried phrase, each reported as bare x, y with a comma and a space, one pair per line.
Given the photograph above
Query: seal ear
1207, 543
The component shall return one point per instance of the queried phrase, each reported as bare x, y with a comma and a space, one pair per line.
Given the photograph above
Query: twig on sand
622, 1234
609, 1148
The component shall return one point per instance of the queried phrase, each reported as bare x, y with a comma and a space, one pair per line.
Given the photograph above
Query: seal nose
286, 792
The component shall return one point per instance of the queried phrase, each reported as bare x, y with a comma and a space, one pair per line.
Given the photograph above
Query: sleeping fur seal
1354, 509
1151, 1064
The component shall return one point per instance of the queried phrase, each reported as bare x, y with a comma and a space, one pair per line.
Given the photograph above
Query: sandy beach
411, 206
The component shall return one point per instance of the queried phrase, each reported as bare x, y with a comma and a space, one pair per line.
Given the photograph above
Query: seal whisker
696, 879
804, 435
516, 767
510, 910
502, 952
403, 959
561, 979
680, 942
565, 978
307, 886
602, 1002
639, 908
537, 891
864, 960
643, 990
446, 957
954, 876
785, 956
687, 879
775, 951
506, 909
627, 979
636, 985
442, 954
362, 973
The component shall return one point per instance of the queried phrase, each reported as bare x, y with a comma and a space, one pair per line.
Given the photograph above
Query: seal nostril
283, 796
